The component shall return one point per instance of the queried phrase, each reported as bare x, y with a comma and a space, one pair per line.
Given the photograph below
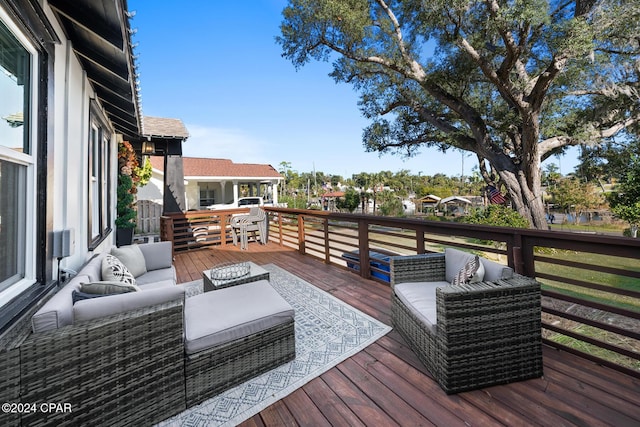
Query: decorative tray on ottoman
232, 274
230, 271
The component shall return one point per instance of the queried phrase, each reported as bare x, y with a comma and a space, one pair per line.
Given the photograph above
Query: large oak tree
512, 81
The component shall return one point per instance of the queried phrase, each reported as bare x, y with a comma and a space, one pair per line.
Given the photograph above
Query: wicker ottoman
235, 334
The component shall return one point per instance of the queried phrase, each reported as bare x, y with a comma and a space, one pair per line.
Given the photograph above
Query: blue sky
215, 65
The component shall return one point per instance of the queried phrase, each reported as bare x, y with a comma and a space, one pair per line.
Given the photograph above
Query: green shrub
496, 215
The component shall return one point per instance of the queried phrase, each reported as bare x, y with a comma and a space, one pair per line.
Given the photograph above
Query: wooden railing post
327, 253
517, 259
301, 236
363, 248
419, 241
223, 229
166, 230
527, 256
280, 234
515, 255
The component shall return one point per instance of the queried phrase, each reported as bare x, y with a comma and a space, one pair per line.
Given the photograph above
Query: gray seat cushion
221, 316
420, 299
156, 276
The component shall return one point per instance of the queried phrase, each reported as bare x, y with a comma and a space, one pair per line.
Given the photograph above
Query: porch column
274, 192
223, 196
235, 193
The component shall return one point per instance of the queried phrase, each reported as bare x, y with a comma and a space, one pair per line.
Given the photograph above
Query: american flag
495, 196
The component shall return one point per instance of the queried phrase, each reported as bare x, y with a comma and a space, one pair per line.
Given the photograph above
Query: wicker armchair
483, 334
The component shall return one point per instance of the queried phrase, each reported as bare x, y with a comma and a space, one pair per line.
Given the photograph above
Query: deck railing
590, 283
197, 229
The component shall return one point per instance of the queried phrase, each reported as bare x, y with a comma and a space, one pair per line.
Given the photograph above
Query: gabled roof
164, 128
430, 198
455, 199
219, 168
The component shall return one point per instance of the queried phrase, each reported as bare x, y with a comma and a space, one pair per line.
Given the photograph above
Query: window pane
12, 222
207, 194
94, 196
15, 75
99, 216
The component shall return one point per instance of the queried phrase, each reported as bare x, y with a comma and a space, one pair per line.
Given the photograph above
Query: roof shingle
204, 167
163, 127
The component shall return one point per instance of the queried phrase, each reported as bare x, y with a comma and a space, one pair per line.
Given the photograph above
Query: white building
215, 183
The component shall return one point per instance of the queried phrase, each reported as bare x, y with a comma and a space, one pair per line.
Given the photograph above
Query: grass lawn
596, 277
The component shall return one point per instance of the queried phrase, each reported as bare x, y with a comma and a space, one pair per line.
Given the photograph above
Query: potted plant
126, 190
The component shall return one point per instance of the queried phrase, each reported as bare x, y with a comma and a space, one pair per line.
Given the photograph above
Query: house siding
61, 143
70, 117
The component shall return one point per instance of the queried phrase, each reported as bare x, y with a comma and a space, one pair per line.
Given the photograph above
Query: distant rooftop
219, 168
164, 128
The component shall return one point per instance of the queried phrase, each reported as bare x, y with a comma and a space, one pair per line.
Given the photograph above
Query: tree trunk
522, 192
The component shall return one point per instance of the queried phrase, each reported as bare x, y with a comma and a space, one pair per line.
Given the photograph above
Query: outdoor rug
328, 331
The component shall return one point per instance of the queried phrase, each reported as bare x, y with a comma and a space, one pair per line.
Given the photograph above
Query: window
207, 195
99, 189
17, 162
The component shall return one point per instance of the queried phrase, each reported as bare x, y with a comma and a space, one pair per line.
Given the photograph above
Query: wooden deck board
386, 384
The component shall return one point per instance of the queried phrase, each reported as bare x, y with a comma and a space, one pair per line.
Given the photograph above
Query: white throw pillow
115, 271
479, 275
469, 273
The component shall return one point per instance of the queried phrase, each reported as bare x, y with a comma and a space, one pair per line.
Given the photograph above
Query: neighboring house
428, 203
69, 94
329, 200
216, 183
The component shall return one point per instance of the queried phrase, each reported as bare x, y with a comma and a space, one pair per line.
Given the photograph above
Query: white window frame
27, 248
99, 208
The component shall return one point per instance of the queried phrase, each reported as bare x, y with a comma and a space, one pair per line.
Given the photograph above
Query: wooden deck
386, 384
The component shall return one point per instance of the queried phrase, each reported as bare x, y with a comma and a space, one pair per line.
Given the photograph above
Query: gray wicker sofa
471, 335
117, 360
140, 357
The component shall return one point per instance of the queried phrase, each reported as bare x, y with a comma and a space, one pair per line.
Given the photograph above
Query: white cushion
471, 272
131, 256
221, 316
479, 274
115, 271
